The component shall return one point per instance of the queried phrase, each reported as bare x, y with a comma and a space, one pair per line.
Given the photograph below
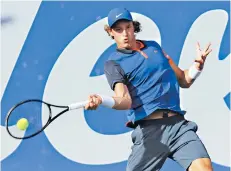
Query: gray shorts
156, 140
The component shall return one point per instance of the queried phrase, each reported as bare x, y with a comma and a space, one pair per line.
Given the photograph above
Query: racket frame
51, 119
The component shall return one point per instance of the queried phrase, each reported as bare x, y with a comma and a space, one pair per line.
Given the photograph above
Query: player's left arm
187, 77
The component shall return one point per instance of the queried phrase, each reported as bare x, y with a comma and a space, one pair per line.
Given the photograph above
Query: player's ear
108, 30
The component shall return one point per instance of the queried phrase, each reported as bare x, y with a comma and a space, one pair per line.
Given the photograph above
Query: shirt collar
129, 51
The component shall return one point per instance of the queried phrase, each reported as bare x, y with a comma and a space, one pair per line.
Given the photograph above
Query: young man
145, 81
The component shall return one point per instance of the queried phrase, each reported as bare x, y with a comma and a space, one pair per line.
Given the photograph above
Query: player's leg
148, 151
187, 148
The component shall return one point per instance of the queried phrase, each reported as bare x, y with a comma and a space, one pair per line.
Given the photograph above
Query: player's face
123, 33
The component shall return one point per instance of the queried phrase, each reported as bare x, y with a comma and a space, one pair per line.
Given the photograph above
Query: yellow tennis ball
22, 124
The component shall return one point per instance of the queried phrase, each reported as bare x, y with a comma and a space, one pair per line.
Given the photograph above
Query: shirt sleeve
114, 73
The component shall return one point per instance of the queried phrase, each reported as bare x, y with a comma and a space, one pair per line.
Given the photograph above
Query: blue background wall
55, 25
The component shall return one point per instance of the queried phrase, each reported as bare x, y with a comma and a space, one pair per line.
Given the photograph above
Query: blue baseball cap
118, 14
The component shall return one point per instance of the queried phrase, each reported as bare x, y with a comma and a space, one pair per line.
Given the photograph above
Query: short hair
136, 24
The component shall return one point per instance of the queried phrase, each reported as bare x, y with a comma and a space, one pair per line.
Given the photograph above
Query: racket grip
77, 105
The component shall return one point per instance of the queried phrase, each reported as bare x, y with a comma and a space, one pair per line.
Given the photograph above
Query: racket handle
77, 105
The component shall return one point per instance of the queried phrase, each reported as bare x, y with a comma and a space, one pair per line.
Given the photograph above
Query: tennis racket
31, 110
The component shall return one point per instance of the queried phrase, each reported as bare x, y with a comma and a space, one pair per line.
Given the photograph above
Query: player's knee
203, 168
201, 165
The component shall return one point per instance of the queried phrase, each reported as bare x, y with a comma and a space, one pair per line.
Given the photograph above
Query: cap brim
119, 19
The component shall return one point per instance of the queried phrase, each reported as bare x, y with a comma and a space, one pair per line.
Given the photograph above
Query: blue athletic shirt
151, 82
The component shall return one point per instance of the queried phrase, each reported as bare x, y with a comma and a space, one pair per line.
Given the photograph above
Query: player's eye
117, 29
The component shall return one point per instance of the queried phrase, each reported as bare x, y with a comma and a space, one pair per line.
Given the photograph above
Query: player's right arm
122, 97
117, 81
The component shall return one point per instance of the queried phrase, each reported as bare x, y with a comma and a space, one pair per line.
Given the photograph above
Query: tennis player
146, 82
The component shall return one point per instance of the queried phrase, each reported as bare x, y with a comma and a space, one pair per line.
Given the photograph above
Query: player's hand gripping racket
27, 116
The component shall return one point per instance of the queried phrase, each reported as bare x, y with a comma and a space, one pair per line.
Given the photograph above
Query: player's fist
94, 102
